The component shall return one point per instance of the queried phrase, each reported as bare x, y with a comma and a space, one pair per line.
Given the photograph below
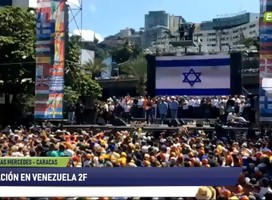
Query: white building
226, 33
124, 33
174, 23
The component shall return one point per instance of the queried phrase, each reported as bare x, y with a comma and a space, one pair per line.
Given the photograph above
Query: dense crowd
148, 149
238, 108
185, 148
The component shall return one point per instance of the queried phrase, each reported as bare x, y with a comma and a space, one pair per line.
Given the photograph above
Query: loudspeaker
151, 75
236, 62
118, 122
174, 123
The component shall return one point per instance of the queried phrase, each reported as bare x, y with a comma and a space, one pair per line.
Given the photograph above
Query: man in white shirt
140, 102
233, 118
197, 102
241, 107
127, 114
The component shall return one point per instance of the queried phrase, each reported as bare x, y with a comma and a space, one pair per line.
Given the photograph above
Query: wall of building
210, 38
156, 18
174, 23
136, 39
124, 33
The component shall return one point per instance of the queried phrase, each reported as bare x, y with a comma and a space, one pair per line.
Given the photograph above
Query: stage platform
151, 128
224, 128
199, 121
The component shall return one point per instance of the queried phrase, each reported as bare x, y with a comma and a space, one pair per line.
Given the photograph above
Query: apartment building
223, 34
155, 19
174, 23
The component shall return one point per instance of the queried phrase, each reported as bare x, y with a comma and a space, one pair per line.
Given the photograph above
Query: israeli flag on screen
195, 75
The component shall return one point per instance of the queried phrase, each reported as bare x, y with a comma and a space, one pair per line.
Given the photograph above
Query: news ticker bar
98, 192
119, 177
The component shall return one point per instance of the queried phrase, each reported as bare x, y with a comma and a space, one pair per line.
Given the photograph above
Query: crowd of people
239, 109
152, 149
137, 148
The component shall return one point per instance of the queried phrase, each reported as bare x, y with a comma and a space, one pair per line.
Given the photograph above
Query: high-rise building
155, 19
226, 33
174, 23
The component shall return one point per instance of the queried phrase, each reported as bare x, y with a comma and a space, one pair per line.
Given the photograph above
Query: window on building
252, 25
213, 45
211, 34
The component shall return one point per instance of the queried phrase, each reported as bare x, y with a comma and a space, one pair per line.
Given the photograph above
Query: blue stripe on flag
264, 40
47, 54
44, 36
44, 53
192, 92
195, 63
48, 117
55, 91
265, 31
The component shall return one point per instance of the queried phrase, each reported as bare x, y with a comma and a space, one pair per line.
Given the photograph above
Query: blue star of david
189, 80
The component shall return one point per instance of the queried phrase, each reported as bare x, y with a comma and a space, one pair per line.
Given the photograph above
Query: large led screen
196, 75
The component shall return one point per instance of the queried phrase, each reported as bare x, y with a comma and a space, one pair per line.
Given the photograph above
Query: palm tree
93, 67
138, 69
249, 42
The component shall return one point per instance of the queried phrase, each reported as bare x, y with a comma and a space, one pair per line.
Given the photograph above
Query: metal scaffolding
75, 14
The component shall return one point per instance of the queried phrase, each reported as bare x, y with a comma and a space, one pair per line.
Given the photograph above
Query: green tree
249, 42
94, 68
71, 96
126, 52
138, 69
87, 86
78, 81
100, 53
72, 59
17, 55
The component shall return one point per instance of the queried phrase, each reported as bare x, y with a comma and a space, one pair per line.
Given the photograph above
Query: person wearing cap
206, 193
